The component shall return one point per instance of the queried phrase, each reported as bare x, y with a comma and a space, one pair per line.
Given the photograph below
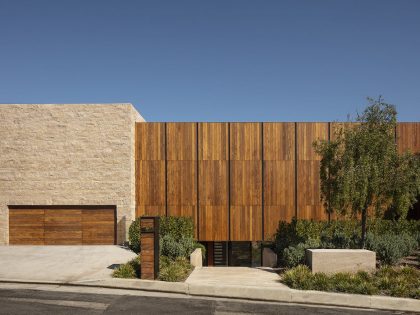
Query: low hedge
392, 240
128, 270
391, 281
174, 270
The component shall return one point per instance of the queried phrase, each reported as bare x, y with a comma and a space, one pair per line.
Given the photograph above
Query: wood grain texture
62, 226
245, 141
307, 133
245, 183
150, 141
147, 256
272, 216
309, 192
279, 175
279, 183
182, 189
213, 181
279, 194
213, 200
150, 210
213, 141
246, 223
279, 141
181, 139
150, 188
309, 204
26, 227
408, 137
98, 226
225, 175
182, 184
150, 150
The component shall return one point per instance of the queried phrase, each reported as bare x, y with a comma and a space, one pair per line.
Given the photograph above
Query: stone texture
269, 258
68, 155
340, 260
196, 258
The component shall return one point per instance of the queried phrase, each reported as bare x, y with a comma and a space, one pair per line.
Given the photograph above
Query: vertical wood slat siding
245, 182
279, 175
213, 181
408, 137
150, 169
309, 204
200, 172
181, 150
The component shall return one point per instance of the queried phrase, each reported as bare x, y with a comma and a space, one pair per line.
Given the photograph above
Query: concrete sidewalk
268, 289
244, 276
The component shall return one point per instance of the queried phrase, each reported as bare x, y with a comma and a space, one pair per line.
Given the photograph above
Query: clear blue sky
214, 60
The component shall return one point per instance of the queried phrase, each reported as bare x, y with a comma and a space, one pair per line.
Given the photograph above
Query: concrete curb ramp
250, 293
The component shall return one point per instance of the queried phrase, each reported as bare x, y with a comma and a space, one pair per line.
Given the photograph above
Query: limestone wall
68, 155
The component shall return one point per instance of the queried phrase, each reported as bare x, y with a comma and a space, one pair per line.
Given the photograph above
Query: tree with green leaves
362, 174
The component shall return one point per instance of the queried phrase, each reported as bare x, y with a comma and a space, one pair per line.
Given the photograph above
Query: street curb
271, 294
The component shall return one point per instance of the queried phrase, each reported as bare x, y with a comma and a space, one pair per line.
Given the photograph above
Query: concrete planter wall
196, 258
332, 261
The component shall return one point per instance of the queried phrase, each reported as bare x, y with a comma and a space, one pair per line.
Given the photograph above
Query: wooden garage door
61, 225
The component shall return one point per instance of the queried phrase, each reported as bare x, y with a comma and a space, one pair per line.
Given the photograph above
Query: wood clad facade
150, 155
181, 181
279, 175
62, 225
236, 180
309, 204
245, 181
213, 181
408, 137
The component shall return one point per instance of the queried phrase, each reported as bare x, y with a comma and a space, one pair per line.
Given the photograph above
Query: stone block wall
68, 155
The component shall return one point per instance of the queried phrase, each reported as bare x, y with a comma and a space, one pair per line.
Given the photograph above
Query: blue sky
214, 60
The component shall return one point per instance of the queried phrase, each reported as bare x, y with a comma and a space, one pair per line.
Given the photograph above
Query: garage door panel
26, 227
98, 226
62, 226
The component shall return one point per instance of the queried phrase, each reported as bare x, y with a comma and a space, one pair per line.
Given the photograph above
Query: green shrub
173, 248
339, 238
392, 281
134, 236
174, 270
390, 247
178, 227
291, 238
295, 255
128, 270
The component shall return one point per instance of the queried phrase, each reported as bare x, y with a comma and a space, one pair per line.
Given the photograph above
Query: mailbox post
149, 244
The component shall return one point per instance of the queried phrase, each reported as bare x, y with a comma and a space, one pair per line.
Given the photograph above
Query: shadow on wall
121, 231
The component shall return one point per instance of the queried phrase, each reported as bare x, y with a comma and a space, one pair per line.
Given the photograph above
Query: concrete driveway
60, 263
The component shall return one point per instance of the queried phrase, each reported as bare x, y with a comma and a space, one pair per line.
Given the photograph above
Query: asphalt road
24, 301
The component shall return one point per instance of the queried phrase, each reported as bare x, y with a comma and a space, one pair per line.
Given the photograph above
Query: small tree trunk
364, 218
